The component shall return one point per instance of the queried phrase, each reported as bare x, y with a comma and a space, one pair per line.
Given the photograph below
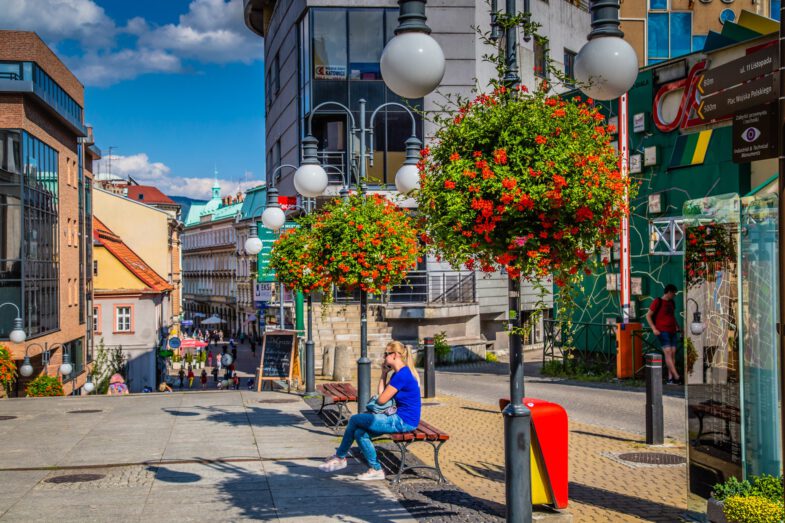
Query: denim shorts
667, 339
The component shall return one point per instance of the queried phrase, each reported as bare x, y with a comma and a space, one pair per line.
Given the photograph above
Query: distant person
181, 375
215, 374
404, 388
236, 380
190, 378
209, 358
164, 387
234, 354
253, 347
203, 379
117, 386
662, 320
221, 336
231, 342
250, 383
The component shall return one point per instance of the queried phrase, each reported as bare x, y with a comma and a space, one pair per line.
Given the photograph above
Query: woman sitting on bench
404, 388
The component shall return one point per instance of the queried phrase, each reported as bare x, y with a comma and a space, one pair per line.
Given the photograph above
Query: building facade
132, 306
46, 159
329, 50
210, 259
662, 29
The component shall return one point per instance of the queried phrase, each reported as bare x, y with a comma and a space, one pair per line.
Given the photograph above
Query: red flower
509, 183
500, 156
540, 139
583, 214
477, 154
454, 157
449, 184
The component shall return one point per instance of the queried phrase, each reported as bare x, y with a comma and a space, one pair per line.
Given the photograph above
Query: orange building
46, 156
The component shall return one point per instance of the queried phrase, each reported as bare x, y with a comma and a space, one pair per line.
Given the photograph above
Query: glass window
96, 320
774, 9
681, 34
658, 36
569, 66
658, 4
123, 319
329, 44
540, 59
366, 43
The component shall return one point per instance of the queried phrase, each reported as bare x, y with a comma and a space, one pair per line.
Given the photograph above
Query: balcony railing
425, 287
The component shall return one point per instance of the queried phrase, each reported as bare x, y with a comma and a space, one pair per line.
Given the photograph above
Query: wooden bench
424, 432
340, 394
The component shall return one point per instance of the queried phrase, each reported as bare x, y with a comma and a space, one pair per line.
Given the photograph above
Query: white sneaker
371, 475
332, 464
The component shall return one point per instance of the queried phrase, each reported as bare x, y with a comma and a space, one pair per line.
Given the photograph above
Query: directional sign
741, 70
755, 134
757, 92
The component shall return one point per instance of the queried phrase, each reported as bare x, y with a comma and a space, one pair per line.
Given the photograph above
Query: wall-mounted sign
330, 72
639, 122
636, 162
655, 202
263, 291
650, 156
755, 134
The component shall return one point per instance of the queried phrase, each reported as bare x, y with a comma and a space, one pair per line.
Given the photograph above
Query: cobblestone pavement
601, 488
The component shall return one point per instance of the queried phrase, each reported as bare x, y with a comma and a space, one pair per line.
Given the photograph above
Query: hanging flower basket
294, 259
44, 386
528, 182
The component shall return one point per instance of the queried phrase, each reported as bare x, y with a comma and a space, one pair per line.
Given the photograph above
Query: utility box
549, 452
629, 352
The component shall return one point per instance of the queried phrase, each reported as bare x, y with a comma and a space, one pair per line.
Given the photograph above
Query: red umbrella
192, 344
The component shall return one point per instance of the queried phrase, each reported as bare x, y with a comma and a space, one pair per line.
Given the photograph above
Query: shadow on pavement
489, 471
179, 412
624, 504
173, 476
608, 436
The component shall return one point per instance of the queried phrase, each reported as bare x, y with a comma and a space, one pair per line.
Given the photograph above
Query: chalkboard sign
278, 349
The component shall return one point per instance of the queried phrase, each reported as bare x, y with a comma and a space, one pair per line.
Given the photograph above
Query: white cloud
140, 168
56, 20
211, 31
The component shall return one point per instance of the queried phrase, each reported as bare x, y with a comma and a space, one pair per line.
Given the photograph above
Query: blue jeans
363, 427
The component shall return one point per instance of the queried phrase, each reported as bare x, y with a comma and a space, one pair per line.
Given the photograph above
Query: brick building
46, 156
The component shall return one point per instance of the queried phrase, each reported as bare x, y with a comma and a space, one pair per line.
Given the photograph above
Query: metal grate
6, 418
653, 458
84, 411
75, 478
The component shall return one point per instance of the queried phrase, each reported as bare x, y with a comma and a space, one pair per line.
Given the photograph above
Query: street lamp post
17, 334
311, 175
274, 218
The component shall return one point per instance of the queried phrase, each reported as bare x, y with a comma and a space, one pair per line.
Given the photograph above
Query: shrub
7, 368
44, 386
441, 347
753, 509
491, 357
730, 488
769, 487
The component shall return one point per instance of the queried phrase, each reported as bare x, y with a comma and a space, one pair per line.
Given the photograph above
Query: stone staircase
340, 325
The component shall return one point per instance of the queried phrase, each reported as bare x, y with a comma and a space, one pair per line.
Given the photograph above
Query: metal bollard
654, 419
430, 369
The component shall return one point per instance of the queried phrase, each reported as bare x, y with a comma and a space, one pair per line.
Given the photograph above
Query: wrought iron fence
586, 343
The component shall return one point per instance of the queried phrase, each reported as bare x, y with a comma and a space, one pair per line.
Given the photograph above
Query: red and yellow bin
629, 353
549, 452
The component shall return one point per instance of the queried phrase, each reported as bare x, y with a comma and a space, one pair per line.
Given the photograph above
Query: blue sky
174, 86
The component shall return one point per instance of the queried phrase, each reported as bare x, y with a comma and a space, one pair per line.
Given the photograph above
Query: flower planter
714, 511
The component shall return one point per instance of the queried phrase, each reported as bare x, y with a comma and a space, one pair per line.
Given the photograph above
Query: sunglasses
389, 354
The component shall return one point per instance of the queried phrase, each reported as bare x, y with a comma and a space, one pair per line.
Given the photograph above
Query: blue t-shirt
407, 399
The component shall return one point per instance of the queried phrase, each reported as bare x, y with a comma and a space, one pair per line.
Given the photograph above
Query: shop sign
755, 134
263, 291
330, 72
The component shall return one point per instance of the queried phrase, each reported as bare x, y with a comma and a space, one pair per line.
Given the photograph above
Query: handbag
388, 409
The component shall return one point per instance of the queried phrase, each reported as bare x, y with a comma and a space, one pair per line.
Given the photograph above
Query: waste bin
549, 452
629, 355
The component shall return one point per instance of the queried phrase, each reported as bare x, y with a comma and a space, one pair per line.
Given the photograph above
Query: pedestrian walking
234, 354
253, 347
117, 386
215, 374
231, 342
662, 320
190, 378
250, 383
404, 389
236, 380
203, 379
181, 375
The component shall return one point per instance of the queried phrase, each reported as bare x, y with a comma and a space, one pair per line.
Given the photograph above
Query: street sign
174, 343
263, 291
744, 96
755, 134
743, 69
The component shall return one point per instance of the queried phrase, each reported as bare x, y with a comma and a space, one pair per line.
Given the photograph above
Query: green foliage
753, 509
441, 347
573, 370
769, 487
44, 386
189, 358
202, 356
706, 245
108, 361
491, 357
730, 488
7, 368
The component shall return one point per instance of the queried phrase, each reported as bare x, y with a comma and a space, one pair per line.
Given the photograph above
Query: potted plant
44, 386
758, 500
7, 370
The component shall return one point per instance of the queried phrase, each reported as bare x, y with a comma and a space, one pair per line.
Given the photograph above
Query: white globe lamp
273, 218
26, 369
310, 180
226, 360
253, 245
66, 368
89, 386
17, 335
697, 328
606, 67
412, 64
407, 179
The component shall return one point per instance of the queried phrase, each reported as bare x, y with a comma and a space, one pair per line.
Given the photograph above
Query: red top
665, 318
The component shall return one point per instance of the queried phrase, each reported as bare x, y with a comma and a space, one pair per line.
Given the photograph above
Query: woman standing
404, 387
203, 379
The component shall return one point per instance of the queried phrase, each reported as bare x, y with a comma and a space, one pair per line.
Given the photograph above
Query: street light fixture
26, 369
17, 334
412, 62
407, 179
607, 66
310, 179
89, 386
697, 326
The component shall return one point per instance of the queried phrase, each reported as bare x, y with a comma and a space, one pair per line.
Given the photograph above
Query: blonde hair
405, 352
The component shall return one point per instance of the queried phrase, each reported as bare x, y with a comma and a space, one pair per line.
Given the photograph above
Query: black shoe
669, 382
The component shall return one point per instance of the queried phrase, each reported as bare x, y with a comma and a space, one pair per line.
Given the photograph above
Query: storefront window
329, 44
366, 43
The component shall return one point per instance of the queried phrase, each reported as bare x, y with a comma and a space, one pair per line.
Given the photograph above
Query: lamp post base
363, 383
517, 462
